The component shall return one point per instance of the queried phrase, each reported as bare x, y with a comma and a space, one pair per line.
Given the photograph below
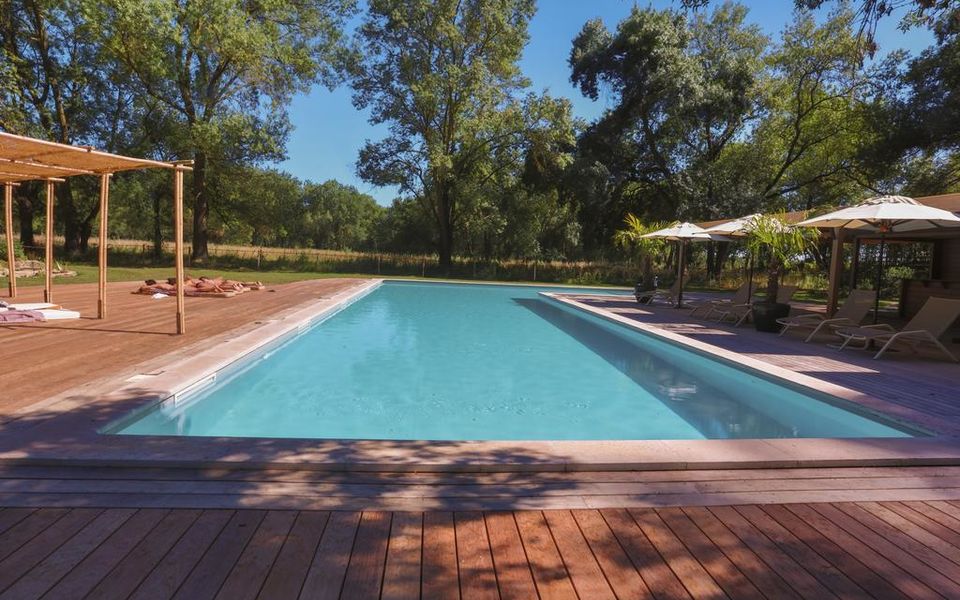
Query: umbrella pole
876, 302
749, 277
680, 266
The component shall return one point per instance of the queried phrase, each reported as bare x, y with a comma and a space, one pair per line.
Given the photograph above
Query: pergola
27, 159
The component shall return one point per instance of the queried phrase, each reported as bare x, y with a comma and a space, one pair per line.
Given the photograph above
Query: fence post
378, 264
534, 270
423, 267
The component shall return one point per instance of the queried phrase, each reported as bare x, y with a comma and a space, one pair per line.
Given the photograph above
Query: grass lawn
88, 274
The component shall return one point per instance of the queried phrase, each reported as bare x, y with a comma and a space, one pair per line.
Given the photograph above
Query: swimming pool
439, 361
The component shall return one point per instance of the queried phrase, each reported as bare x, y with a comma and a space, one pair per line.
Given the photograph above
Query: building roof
25, 159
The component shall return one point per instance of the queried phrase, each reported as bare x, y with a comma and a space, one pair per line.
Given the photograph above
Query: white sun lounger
934, 319
853, 311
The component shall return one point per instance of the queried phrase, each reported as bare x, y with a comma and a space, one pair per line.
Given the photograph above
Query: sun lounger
669, 295
59, 314
739, 313
741, 297
853, 311
933, 320
33, 306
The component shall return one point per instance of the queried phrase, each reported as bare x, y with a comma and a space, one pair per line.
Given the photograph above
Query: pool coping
71, 434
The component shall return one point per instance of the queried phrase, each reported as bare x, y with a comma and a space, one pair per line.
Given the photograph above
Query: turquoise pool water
484, 362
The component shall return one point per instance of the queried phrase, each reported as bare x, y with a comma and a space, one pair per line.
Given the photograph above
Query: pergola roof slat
25, 158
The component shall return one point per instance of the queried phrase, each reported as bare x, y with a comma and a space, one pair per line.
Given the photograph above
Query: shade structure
681, 233
731, 231
28, 159
883, 215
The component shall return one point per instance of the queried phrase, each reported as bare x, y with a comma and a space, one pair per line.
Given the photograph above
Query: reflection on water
717, 409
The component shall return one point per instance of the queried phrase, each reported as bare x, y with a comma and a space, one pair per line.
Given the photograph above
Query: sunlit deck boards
44, 359
845, 550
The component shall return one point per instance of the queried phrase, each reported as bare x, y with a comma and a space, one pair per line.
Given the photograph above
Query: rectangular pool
439, 361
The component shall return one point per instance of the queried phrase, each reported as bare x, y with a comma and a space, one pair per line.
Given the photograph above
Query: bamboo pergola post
48, 243
178, 245
836, 269
8, 223
102, 249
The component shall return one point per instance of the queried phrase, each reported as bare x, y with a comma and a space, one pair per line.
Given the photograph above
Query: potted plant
782, 244
631, 237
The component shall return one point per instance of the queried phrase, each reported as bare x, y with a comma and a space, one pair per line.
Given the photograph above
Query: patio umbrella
883, 215
682, 233
731, 231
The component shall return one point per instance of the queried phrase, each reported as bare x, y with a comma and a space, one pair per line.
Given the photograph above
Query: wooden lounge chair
853, 311
706, 309
669, 295
933, 320
741, 312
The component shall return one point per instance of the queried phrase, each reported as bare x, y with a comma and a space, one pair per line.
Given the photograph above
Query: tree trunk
25, 208
445, 241
201, 207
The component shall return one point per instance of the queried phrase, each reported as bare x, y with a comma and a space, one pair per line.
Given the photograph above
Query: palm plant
631, 238
782, 243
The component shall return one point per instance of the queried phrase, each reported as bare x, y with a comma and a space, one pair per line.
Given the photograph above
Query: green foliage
773, 236
220, 73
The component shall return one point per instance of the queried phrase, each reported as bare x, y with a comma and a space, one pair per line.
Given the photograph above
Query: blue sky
329, 131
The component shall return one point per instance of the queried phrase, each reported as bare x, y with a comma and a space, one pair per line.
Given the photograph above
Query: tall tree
225, 70
442, 74
683, 90
57, 85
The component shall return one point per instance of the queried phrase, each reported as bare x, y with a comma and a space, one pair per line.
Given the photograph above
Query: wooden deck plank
440, 578
514, 579
622, 576
138, 329
895, 538
948, 527
25, 530
694, 577
585, 572
827, 547
474, 559
175, 567
364, 577
867, 553
210, 572
811, 560
659, 577
710, 557
11, 516
290, 569
253, 566
793, 573
766, 580
44, 544
549, 572
928, 532
324, 579
123, 579
50, 570
95, 566
401, 574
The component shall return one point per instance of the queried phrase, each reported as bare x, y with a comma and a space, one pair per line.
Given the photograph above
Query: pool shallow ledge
72, 436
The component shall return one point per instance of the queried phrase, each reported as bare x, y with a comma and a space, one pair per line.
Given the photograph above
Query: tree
442, 74
683, 90
224, 71
337, 216
56, 84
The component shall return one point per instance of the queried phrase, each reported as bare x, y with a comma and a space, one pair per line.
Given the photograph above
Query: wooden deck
44, 359
843, 550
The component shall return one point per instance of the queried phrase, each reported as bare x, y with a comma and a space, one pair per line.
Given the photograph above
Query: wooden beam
102, 249
178, 245
48, 244
836, 271
8, 223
